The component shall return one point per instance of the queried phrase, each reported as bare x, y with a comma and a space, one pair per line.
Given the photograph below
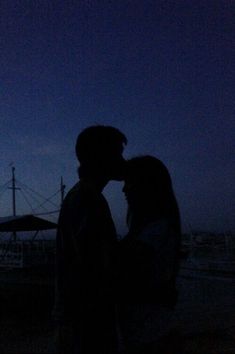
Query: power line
47, 213
34, 198
38, 194
5, 184
27, 201
48, 200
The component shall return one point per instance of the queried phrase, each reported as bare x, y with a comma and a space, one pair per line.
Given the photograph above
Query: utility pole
13, 191
14, 188
62, 189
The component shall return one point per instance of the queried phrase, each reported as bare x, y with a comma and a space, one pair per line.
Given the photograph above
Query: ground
32, 335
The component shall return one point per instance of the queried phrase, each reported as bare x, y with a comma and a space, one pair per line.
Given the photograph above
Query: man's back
85, 241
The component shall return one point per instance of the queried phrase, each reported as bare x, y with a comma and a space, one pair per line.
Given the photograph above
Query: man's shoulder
82, 194
76, 191
77, 204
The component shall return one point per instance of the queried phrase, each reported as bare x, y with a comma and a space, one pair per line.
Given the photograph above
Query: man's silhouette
86, 238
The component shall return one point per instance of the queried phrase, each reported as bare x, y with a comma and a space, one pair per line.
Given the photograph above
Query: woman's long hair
156, 198
153, 199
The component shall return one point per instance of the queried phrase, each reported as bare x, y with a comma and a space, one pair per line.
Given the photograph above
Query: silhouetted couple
107, 289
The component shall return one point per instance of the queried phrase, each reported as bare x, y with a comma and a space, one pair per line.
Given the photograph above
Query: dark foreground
34, 336
205, 316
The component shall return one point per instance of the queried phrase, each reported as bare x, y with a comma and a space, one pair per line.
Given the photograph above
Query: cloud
50, 149
42, 147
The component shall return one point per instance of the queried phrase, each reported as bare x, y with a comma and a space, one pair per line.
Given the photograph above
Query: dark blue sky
161, 71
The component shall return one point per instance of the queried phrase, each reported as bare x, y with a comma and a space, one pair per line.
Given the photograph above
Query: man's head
99, 150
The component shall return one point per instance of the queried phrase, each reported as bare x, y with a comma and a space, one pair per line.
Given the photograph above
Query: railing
21, 254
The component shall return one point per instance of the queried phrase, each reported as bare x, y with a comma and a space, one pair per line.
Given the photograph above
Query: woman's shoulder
160, 226
158, 232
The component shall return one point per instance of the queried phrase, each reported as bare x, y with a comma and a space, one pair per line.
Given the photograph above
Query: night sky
160, 71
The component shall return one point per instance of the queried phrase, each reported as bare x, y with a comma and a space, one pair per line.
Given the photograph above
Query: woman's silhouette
148, 257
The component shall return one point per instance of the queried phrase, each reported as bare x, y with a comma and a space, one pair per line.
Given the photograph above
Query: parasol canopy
25, 223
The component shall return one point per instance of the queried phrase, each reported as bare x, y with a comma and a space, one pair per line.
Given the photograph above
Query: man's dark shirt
86, 238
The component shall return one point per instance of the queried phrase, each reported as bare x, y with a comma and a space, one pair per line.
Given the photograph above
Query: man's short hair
97, 141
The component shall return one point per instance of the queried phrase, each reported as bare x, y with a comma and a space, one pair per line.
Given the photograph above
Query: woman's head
148, 188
